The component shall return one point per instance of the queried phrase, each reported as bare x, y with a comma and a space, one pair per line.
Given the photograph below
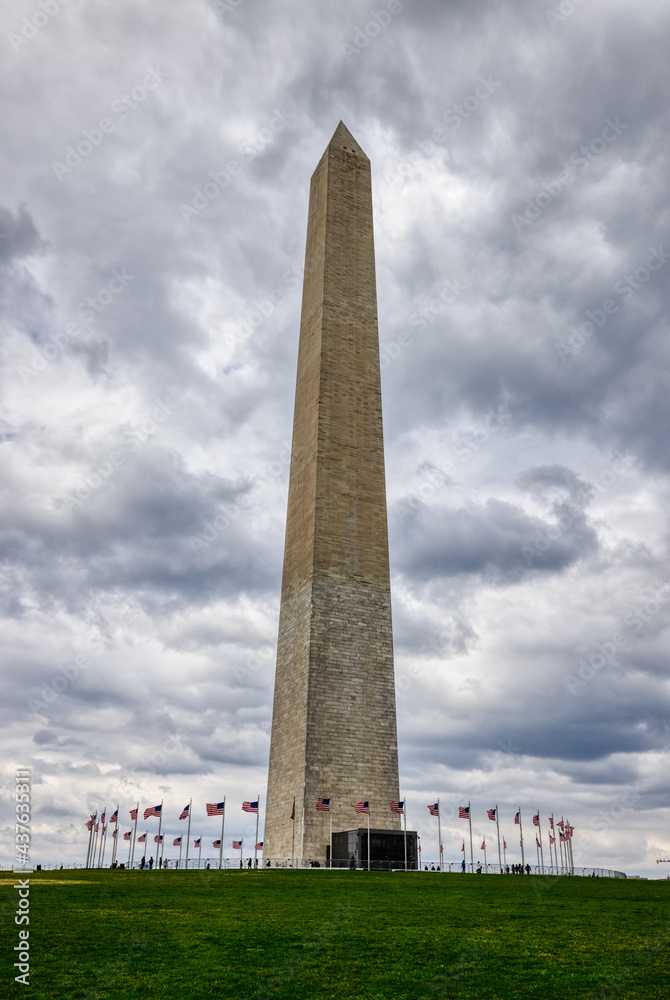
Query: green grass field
310, 934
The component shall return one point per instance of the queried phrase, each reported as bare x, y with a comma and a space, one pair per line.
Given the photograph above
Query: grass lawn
310, 934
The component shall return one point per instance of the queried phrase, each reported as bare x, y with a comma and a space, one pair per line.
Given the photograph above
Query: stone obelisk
334, 718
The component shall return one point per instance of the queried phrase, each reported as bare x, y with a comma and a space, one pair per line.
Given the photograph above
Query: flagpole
539, 828
256, 840
368, 836
439, 835
90, 838
116, 839
569, 843
485, 865
132, 858
404, 816
498, 832
302, 836
199, 851
102, 833
97, 846
160, 823
181, 844
560, 845
472, 859
537, 851
95, 840
330, 852
293, 834
504, 851
188, 835
223, 820
104, 843
521, 836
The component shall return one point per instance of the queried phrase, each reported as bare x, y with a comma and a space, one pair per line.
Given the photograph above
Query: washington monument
334, 718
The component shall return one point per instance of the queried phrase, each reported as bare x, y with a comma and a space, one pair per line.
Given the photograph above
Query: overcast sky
153, 214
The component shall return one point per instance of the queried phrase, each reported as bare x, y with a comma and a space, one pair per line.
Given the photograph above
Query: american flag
176, 842
216, 843
537, 842
463, 847
536, 819
237, 845
362, 807
504, 844
563, 837
483, 847
215, 808
441, 849
434, 810
141, 840
114, 833
398, 807
323, 805
196, 841
114, 818
133, 813
97, 827
464, 812
185, 811
259, 845
551, 822
152, 811
552, 840
517, 819
104, 830
89, 825
292, 816
159, 840
570, 830
491, 813
561, 824
102, 819
128, 835
250, 807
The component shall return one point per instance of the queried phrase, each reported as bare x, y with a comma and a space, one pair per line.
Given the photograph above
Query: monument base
387, 849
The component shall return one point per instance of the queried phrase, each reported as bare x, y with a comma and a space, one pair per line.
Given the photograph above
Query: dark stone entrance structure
387, 849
